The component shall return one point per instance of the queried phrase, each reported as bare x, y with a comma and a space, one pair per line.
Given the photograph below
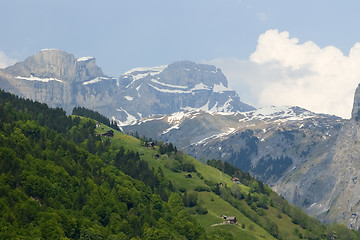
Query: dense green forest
60, 180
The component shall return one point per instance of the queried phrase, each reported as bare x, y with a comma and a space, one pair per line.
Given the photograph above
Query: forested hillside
60, 179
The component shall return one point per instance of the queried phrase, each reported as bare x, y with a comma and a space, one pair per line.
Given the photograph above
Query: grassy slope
215, 205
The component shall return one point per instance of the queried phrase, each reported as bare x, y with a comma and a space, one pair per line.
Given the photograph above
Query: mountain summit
59, 79
179, 86
57, 64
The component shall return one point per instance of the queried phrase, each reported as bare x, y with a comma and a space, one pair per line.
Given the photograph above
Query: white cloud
283, 71
5, 61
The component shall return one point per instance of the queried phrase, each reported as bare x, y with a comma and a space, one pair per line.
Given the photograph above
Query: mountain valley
308, 158
62, 178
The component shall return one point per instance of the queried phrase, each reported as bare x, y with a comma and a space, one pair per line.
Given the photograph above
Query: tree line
84, 112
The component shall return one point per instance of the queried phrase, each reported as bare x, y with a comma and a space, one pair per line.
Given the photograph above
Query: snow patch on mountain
32, 78
48, 49
177, 118
220, 88
152, 70
138, 88
130, 119
129, 98
149, 119
96, 80
200, 86
169, 90
168, 85
141, 72
280, 114
216, 136
84, 59
171, 128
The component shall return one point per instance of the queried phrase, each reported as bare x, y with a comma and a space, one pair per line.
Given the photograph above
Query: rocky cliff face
177, 87
60, 80
356, 107
57, 64
330, 188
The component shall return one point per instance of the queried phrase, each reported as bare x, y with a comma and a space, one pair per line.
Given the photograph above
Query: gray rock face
177, 87
310, 159
329, 188
356, 106
58, 64
186, 73
60, 80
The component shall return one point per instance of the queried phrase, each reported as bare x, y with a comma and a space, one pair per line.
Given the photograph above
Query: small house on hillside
98, 124
109, 133
235, 180
150, 144
229, 220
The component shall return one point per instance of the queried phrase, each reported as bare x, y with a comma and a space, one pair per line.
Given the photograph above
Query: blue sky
125, 34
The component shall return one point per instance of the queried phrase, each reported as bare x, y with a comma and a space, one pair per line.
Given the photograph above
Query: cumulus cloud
283, 71
5, 61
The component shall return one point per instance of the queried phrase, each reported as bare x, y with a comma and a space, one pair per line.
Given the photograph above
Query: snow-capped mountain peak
283, 113
140, 73
176, 87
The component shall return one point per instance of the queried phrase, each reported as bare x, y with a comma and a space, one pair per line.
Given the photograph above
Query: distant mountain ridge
308, 158
176, 87
59, 79
215, 124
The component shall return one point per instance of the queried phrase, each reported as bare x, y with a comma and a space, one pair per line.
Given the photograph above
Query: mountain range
309, 158
61, 80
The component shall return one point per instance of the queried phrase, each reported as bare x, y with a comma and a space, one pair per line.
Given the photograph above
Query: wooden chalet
230, 220
235, 180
